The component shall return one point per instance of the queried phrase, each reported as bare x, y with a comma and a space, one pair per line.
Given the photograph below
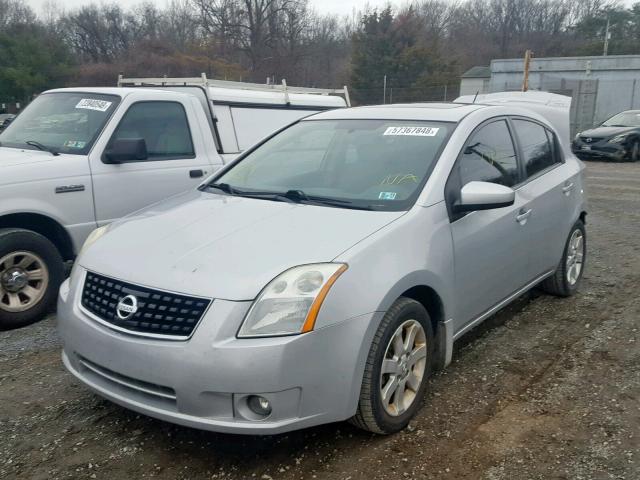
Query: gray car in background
328, 271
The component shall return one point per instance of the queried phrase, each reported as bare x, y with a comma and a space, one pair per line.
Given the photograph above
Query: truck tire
566, 280
31, 271
384, 407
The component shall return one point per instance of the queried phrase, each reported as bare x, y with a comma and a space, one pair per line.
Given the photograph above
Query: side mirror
484, 196
126, 150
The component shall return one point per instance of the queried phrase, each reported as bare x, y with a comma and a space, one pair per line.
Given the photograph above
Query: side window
162, 125
537, 147
490, 156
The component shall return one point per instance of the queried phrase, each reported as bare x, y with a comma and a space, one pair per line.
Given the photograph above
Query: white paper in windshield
94, 104
412, 131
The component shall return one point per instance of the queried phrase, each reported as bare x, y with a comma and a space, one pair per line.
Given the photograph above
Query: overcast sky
341, 7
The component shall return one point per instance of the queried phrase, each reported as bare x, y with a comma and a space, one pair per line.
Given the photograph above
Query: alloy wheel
403, 367
24, 279
575, 257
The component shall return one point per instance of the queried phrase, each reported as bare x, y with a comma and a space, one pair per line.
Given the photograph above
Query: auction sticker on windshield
412, 131
94, 104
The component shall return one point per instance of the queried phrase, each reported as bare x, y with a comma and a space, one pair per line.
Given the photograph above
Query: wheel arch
427, 288
45, 226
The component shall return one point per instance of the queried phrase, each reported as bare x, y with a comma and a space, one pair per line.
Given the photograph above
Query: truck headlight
619, 138
290, 303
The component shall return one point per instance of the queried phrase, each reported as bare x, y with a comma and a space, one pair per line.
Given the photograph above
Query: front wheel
31, 271
399, 363
634, 153
566, 280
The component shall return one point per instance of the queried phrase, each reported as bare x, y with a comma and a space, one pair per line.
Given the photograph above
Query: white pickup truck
78, 158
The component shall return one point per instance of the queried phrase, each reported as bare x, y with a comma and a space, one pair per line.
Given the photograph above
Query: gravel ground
546, 389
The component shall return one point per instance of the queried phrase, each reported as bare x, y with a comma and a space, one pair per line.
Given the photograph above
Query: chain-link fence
412, 94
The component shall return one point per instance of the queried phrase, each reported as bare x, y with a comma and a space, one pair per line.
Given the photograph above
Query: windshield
369, 164
624, 119
65, 122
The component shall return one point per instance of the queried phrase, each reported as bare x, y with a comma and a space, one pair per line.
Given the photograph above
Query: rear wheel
31, 271
566, 280
399, 363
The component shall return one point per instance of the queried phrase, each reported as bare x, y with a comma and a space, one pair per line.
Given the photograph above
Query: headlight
290, 303
91, 239
619, 138
577, 137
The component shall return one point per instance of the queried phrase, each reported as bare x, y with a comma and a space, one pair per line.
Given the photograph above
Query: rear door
177, 160
490, 246
547, 191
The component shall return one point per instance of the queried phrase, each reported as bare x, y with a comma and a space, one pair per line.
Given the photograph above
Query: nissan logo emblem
127, 307
588, 139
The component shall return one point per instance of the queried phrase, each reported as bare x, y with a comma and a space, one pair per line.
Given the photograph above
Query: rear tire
567, 277
404, 344
31, 271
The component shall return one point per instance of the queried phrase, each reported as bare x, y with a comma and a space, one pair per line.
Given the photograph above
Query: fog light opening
259, 405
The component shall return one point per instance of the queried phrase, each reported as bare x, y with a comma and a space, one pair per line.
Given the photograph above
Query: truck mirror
126, 150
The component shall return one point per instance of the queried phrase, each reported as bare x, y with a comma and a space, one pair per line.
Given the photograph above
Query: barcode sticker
412, 131
94, 104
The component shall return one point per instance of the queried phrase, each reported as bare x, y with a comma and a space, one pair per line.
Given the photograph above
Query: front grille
593, 139
158, 314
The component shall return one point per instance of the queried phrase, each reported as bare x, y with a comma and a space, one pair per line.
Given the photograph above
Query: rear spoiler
556, 109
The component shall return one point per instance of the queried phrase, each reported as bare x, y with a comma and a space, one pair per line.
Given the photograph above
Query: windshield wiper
42, 147
294, 196
225, 187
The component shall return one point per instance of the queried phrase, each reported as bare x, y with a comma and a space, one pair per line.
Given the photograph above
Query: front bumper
205, 382
600, 150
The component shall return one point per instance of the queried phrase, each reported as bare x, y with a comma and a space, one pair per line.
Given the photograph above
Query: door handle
522, 217
196, 173
567, 188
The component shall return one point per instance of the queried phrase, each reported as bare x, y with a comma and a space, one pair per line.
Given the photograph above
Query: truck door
176, 159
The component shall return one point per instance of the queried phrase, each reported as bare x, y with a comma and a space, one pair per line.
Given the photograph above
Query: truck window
163, 126
65, 122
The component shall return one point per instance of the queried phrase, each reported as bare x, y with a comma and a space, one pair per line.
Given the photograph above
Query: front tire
31, 271
634, 153
566, 280
399, 363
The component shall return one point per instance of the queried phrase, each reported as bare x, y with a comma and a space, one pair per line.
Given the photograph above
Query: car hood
225, 247
605, 132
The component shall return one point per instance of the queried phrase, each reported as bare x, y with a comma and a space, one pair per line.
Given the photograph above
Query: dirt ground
546, 389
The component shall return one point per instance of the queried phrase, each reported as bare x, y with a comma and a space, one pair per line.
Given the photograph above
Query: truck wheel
397, 368
566, 280
31, 271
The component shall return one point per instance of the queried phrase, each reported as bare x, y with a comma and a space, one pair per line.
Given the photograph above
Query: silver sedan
328, 271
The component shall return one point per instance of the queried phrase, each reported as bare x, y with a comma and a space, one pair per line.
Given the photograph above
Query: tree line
421, 46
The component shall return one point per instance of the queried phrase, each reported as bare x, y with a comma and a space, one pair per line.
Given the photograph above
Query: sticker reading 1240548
412, 131
94, 104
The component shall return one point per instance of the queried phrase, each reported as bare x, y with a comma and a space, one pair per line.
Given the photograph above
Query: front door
173, 164
490, 246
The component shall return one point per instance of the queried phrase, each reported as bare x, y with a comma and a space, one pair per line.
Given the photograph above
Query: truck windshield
65, 122
361, 164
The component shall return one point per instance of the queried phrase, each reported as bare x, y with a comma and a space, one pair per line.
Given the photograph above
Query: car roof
443, 112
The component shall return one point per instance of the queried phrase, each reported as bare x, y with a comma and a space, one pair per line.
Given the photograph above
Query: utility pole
607, 36
527, 64
384, 90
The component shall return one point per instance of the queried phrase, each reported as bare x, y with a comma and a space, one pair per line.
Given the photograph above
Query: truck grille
157, 313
